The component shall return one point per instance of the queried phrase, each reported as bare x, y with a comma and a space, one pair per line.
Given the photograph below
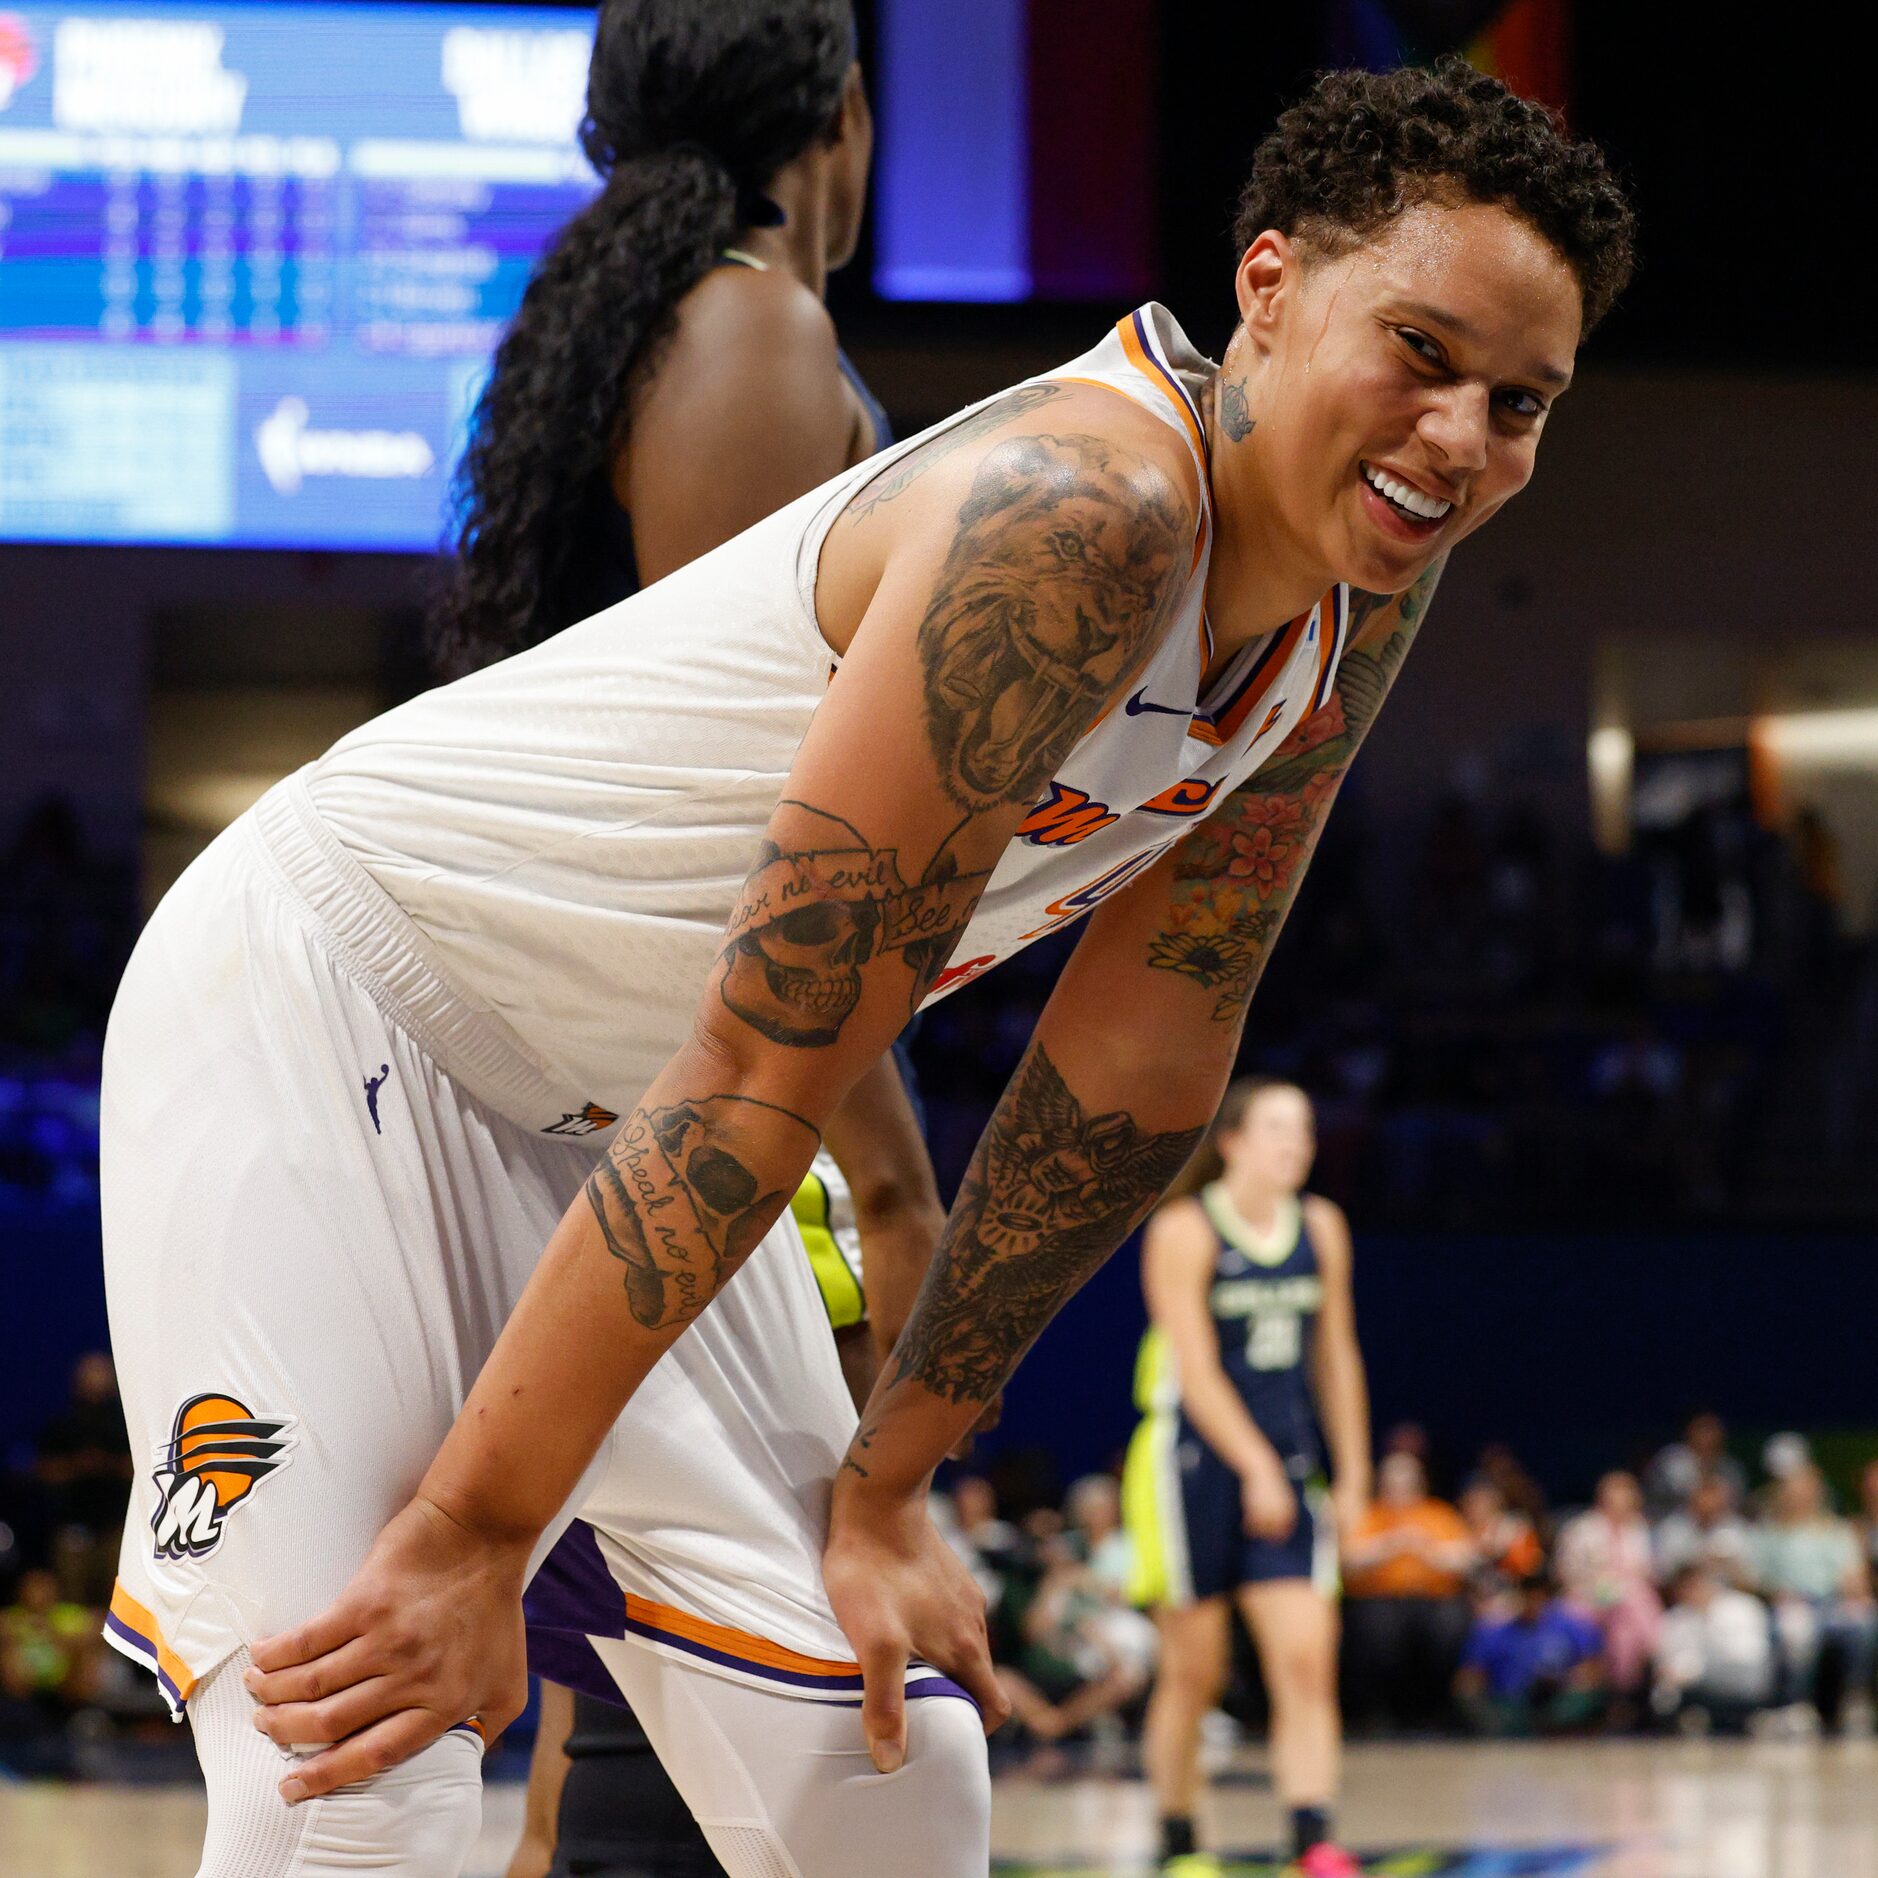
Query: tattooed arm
1097, 1121
1211, 912
1055, 572
1101, 1115
1030, 575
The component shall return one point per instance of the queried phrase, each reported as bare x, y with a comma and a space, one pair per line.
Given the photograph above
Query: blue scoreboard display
254, 258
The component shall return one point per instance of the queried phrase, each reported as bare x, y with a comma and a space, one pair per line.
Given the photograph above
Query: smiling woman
1104, 645
1452, 250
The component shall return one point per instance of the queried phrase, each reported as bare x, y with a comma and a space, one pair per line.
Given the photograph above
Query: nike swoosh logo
1138, 703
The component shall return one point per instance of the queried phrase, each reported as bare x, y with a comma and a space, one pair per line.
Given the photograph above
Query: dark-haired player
672, 374
667, 866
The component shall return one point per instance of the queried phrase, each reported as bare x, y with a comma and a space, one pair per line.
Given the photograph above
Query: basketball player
640, 872
1248, 1286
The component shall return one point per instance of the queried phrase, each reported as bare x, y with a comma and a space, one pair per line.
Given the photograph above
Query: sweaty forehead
1483, 272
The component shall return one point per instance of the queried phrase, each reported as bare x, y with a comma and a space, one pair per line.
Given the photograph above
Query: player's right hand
1268, 1500
427, 1637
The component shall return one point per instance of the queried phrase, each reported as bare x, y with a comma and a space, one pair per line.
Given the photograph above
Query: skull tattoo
797, 979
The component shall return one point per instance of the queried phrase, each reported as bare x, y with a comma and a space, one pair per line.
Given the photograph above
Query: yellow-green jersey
824, 1215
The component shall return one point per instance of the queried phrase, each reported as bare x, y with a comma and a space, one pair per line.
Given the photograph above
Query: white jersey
566, 833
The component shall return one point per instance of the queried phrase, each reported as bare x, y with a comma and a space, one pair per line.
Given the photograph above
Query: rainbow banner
1526, 44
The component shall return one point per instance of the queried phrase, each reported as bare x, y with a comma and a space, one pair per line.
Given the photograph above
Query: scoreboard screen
254, 258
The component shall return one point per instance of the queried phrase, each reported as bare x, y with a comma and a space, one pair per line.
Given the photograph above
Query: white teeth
1425, 508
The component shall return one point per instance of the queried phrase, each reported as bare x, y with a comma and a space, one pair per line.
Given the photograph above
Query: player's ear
1263, 285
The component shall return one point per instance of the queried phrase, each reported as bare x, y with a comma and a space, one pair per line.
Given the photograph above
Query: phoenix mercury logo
588, 1119
217, 1454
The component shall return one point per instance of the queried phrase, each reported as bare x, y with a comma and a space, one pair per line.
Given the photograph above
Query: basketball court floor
1618, 1810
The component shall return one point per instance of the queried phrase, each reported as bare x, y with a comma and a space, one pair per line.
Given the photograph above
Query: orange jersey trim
1154, 372
1226, 726
147, 1631
740, 1645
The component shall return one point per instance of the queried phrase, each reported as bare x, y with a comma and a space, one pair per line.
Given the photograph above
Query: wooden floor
1655, 1810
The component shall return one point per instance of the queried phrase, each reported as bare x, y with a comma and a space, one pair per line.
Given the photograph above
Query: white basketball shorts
313, 1234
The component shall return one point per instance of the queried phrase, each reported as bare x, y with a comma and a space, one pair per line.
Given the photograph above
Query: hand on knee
422, 1816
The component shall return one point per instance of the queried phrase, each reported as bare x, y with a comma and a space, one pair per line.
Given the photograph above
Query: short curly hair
1360, 147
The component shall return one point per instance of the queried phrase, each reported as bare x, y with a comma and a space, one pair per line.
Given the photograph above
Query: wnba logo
216, 1455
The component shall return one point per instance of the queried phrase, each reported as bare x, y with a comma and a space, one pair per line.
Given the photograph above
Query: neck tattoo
1234, 418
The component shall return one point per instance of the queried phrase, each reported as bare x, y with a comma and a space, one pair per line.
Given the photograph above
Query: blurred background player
672, 374
1248, 1287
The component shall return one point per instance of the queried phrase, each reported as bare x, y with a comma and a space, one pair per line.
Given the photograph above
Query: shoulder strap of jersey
1133, 359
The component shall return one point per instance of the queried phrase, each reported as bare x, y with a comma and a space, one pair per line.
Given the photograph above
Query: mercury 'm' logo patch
217, 1454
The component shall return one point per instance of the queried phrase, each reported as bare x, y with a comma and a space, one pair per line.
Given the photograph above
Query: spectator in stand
1782, 1456
1095, 1517
1000, 1556
1606, 1567
1085, 1655
1505, 1544
1409, 1438
1813, 1569
1707, 1530
84, 1455
47, 1647
975, 1504
1532, 1665
1868, 1515
945, 1519
1405, 1609
1672, 1476
1520, 1492
1715, 1655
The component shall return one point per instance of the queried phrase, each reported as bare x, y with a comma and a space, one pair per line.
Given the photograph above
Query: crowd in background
1684, 1596
62, 1500
1502, 1028
1681, 1598
1486, 1015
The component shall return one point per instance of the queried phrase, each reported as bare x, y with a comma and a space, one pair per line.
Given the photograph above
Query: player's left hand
427, 1636
899, 1591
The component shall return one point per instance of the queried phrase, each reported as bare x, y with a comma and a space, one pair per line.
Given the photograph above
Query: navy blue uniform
1184, 1505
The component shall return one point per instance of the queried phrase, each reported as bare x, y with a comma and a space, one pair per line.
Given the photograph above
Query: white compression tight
417, 1821
784, 1788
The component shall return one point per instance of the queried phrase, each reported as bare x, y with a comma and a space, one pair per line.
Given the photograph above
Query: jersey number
1273, 1341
